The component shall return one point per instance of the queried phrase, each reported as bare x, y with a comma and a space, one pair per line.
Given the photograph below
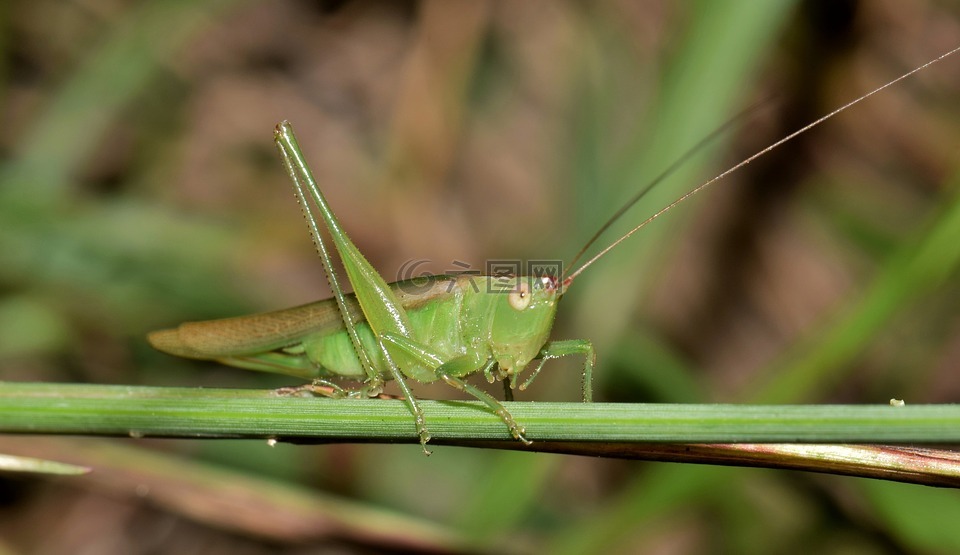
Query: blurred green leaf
922, 518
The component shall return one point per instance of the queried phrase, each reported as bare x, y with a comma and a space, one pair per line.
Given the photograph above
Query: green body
452, 316
438, 328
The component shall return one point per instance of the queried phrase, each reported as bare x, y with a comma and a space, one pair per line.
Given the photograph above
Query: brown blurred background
139, 188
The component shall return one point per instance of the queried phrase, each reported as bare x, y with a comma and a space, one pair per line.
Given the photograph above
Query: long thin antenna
673, 167
789, 137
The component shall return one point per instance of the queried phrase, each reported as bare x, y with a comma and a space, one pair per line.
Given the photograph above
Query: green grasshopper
444, 327
439, 328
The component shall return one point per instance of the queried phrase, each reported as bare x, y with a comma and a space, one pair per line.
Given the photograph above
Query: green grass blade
188, 412
779, 436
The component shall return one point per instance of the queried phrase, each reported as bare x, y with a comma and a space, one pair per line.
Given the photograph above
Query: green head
523, 314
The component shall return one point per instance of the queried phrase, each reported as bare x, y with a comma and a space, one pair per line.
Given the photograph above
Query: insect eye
520, 297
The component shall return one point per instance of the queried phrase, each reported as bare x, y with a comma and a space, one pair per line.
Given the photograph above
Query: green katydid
441, 328
427, 329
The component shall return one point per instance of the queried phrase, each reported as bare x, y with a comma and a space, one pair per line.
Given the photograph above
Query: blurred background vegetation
139, 187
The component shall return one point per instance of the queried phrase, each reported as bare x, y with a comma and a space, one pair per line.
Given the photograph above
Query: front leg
516, 430
452, 372
557, 349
